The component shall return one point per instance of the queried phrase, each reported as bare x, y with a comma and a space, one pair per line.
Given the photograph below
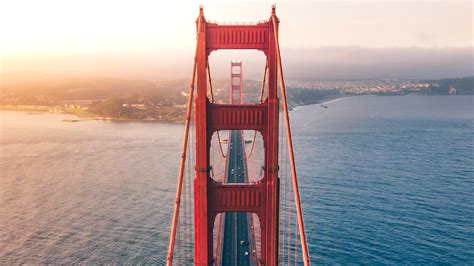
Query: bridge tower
210, 197
236, 76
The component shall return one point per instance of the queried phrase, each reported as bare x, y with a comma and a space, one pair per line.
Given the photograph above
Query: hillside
463, 86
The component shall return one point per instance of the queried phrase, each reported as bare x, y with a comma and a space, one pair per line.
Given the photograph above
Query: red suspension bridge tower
236, 76
211, 197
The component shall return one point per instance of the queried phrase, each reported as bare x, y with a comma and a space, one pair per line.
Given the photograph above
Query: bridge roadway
236, 245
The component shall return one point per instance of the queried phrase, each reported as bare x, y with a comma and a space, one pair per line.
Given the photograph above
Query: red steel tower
211, 197
236, 86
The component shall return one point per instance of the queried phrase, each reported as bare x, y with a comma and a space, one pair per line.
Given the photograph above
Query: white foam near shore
338, 99
326, 102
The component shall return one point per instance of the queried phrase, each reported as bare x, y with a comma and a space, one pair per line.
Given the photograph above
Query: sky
153, 37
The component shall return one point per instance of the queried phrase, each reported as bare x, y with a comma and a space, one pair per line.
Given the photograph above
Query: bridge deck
237, 240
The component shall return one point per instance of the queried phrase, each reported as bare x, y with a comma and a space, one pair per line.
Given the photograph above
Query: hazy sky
61, 31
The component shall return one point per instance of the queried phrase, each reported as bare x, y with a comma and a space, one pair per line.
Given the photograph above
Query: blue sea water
384, 180
388, 179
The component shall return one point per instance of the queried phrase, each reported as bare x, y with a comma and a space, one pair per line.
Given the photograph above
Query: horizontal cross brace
237, 116
238, 36
236, 197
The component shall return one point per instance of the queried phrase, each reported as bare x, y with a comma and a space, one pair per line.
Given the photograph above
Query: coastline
81, 116
326, 100
340, 98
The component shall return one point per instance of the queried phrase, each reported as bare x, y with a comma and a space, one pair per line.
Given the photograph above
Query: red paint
210, 197
236, 76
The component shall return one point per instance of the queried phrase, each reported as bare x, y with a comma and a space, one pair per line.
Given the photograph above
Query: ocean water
384, 180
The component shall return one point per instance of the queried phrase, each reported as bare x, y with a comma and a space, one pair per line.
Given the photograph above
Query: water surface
384, 180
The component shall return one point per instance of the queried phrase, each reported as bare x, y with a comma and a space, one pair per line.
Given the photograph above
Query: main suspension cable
210, 81
294, 180
212, 101
169, 259
220, 145
262, 90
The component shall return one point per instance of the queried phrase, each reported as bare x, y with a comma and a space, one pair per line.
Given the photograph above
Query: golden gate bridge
237, 206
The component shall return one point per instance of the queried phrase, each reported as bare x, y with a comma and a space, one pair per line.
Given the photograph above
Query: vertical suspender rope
191, 176
294, 180
169, 259
183, 220
187, 195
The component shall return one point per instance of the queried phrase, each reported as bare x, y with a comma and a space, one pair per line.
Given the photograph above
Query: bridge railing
220, 23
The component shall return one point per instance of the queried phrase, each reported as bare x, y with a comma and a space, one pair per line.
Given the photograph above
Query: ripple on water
384, 180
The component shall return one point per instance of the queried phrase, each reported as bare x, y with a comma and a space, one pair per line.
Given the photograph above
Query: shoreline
340, 98
322, 101
81, 118
83, 115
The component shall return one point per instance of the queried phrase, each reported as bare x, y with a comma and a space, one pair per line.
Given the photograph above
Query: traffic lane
229, 257
236, 248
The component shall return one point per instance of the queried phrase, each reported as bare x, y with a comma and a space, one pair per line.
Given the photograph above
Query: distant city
376, 86
115, 99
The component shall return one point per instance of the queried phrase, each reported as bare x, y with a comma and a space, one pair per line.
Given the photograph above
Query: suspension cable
282, 198
220, 145
190, 187
289, 216
174, 224
294, 180
212, 101
210, 81
187, 196
262, 90
183, 221
187, 189
289, 210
